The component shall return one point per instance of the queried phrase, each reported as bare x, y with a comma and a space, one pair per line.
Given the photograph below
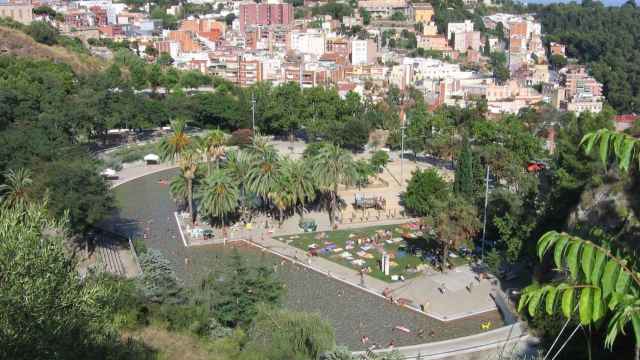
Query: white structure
454, 28
363, 52
308, 42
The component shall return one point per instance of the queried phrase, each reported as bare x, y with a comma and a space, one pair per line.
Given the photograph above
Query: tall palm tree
218, 195
172, 146
238, 166
212, 147
331, 167
189, 167
282, 198
179, 190
264, 173
300, 183
15, 191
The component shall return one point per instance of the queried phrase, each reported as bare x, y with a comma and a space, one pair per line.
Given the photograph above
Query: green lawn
407, 265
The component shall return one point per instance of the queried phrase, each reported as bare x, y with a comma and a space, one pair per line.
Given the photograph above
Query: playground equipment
362, 202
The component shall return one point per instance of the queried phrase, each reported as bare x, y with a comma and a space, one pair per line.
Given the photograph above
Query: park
375, 272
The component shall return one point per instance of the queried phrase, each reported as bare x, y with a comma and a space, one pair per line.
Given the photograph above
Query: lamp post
253, 117
486, 202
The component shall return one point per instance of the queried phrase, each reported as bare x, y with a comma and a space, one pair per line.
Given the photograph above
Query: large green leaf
598, 267
623, 281
587, 261
559, 251
585, 306
567, 302
635, 322
572, 258
604, 146
550, 300
627, 153
609, 278
588, 141
598, 305
535, 300
546, 241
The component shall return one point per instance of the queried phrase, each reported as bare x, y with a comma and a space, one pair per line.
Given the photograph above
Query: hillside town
384, 43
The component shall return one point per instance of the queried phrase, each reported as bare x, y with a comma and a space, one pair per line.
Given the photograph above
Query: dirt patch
172, 345
17, 43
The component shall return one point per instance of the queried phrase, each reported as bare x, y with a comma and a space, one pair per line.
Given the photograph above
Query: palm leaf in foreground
599, 282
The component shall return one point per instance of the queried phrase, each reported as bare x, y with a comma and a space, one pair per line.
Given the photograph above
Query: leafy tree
365, 15
237, 293
464, 183
331, 167
45, 308
455, 225
158, 281
229, 19
558, 61
398, 16
498, 62
43, 33
283, 334
486, 50
164, 59
379, 159
427, 193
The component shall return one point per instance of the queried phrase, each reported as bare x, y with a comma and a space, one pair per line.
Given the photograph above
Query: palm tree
218, 195
189, 167
238, 165
300, 183
282, 198
331, 167
603, 279
172, 146
179, 190
15, 191
264, 173
212, 147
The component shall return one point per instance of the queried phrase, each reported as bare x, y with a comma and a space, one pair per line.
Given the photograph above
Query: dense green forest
605, 38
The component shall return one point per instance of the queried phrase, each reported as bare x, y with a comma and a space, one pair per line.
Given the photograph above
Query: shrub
43, 33
158, 281
241, 137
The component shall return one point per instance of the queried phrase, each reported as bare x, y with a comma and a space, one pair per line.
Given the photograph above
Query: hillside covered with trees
605, 38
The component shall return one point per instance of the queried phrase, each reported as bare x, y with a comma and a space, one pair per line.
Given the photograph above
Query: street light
486, 202
253, 117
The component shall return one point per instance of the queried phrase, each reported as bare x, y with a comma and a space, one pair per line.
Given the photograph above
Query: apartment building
21, 12
265, 14
363, 52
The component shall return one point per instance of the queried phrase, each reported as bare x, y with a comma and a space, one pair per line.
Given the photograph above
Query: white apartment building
363, 52
454, 28
308, 42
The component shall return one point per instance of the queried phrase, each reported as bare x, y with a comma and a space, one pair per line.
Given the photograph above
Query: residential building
429, 29
423, 12
21, 12
438, 43
626, 121
454, 28
467, 40
265, 14
384, 8
80, 18
310, 41
363, 52
100, 14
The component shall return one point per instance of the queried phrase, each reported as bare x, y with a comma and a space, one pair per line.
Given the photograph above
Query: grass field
404, 261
